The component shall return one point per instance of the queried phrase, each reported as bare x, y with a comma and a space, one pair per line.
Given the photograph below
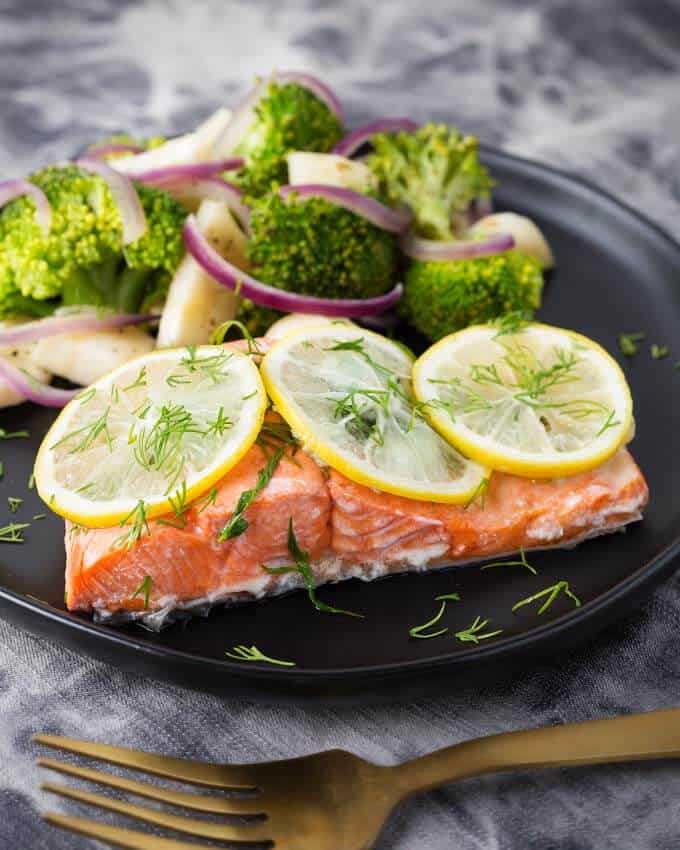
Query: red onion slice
243, 284
81, 321
125, 197
354, 140
11, 189
213, 189
315, 86
429, 249
32, 389
395, 221
189, 171
102, 151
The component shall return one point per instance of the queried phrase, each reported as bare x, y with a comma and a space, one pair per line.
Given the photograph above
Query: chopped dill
209, 500
219, 424
551, 593
658, 352
14, 503
145, 588
179, 506
472, 633
2, 470
159, 447
13, 435
511, 323
252, 653
418, 631
237, 522
40, 516
13, 532
521, 563
303, 567
86, 395
138, 527
140, 381
88, 434
629, 343
479, 496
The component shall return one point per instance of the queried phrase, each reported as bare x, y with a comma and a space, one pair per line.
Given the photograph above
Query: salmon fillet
349, 531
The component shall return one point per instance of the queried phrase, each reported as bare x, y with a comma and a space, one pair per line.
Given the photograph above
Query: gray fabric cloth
588, 84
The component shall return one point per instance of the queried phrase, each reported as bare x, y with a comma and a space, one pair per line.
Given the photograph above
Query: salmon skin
349, 531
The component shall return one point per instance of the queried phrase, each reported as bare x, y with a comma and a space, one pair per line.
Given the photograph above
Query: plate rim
646, 574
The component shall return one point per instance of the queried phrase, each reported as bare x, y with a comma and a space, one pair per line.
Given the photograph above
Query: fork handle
634, 737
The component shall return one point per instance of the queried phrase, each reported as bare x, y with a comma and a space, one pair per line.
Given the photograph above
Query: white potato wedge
22, 357
85, 356
329, 169
196, 304
528, 237
191, 147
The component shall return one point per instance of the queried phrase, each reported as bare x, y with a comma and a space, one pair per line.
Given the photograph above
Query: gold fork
332, 800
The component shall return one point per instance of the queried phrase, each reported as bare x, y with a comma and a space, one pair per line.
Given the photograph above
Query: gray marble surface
588, 84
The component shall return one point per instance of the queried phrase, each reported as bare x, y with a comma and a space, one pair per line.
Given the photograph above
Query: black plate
616, 272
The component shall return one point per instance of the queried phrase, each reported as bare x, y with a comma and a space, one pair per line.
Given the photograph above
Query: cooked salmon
348, 530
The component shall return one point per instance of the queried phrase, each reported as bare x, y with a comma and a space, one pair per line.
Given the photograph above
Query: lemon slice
151, 436
538, 402
346, 393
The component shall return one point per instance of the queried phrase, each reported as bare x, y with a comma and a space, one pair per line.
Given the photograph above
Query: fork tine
197, 802
130, 839
251, 831
195, 772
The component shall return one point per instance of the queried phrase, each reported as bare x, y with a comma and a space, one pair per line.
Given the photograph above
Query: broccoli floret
83, 260
317, 248
288, 118
442, 297
434, 171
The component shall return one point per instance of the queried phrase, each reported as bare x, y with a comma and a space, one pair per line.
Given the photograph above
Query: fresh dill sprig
159, 447
417, 631
551, 593
511, 323
237, 522
219, 335
303, 567
40, 516
472, 633
658, 352
629, 343
219, 424
140, 381
479, 496
13, 532
86, 395
138, 527
13, 435
209, 499
252, 653
521, 563
145, 588
88, 434
14, 503
179, 506
209, 365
